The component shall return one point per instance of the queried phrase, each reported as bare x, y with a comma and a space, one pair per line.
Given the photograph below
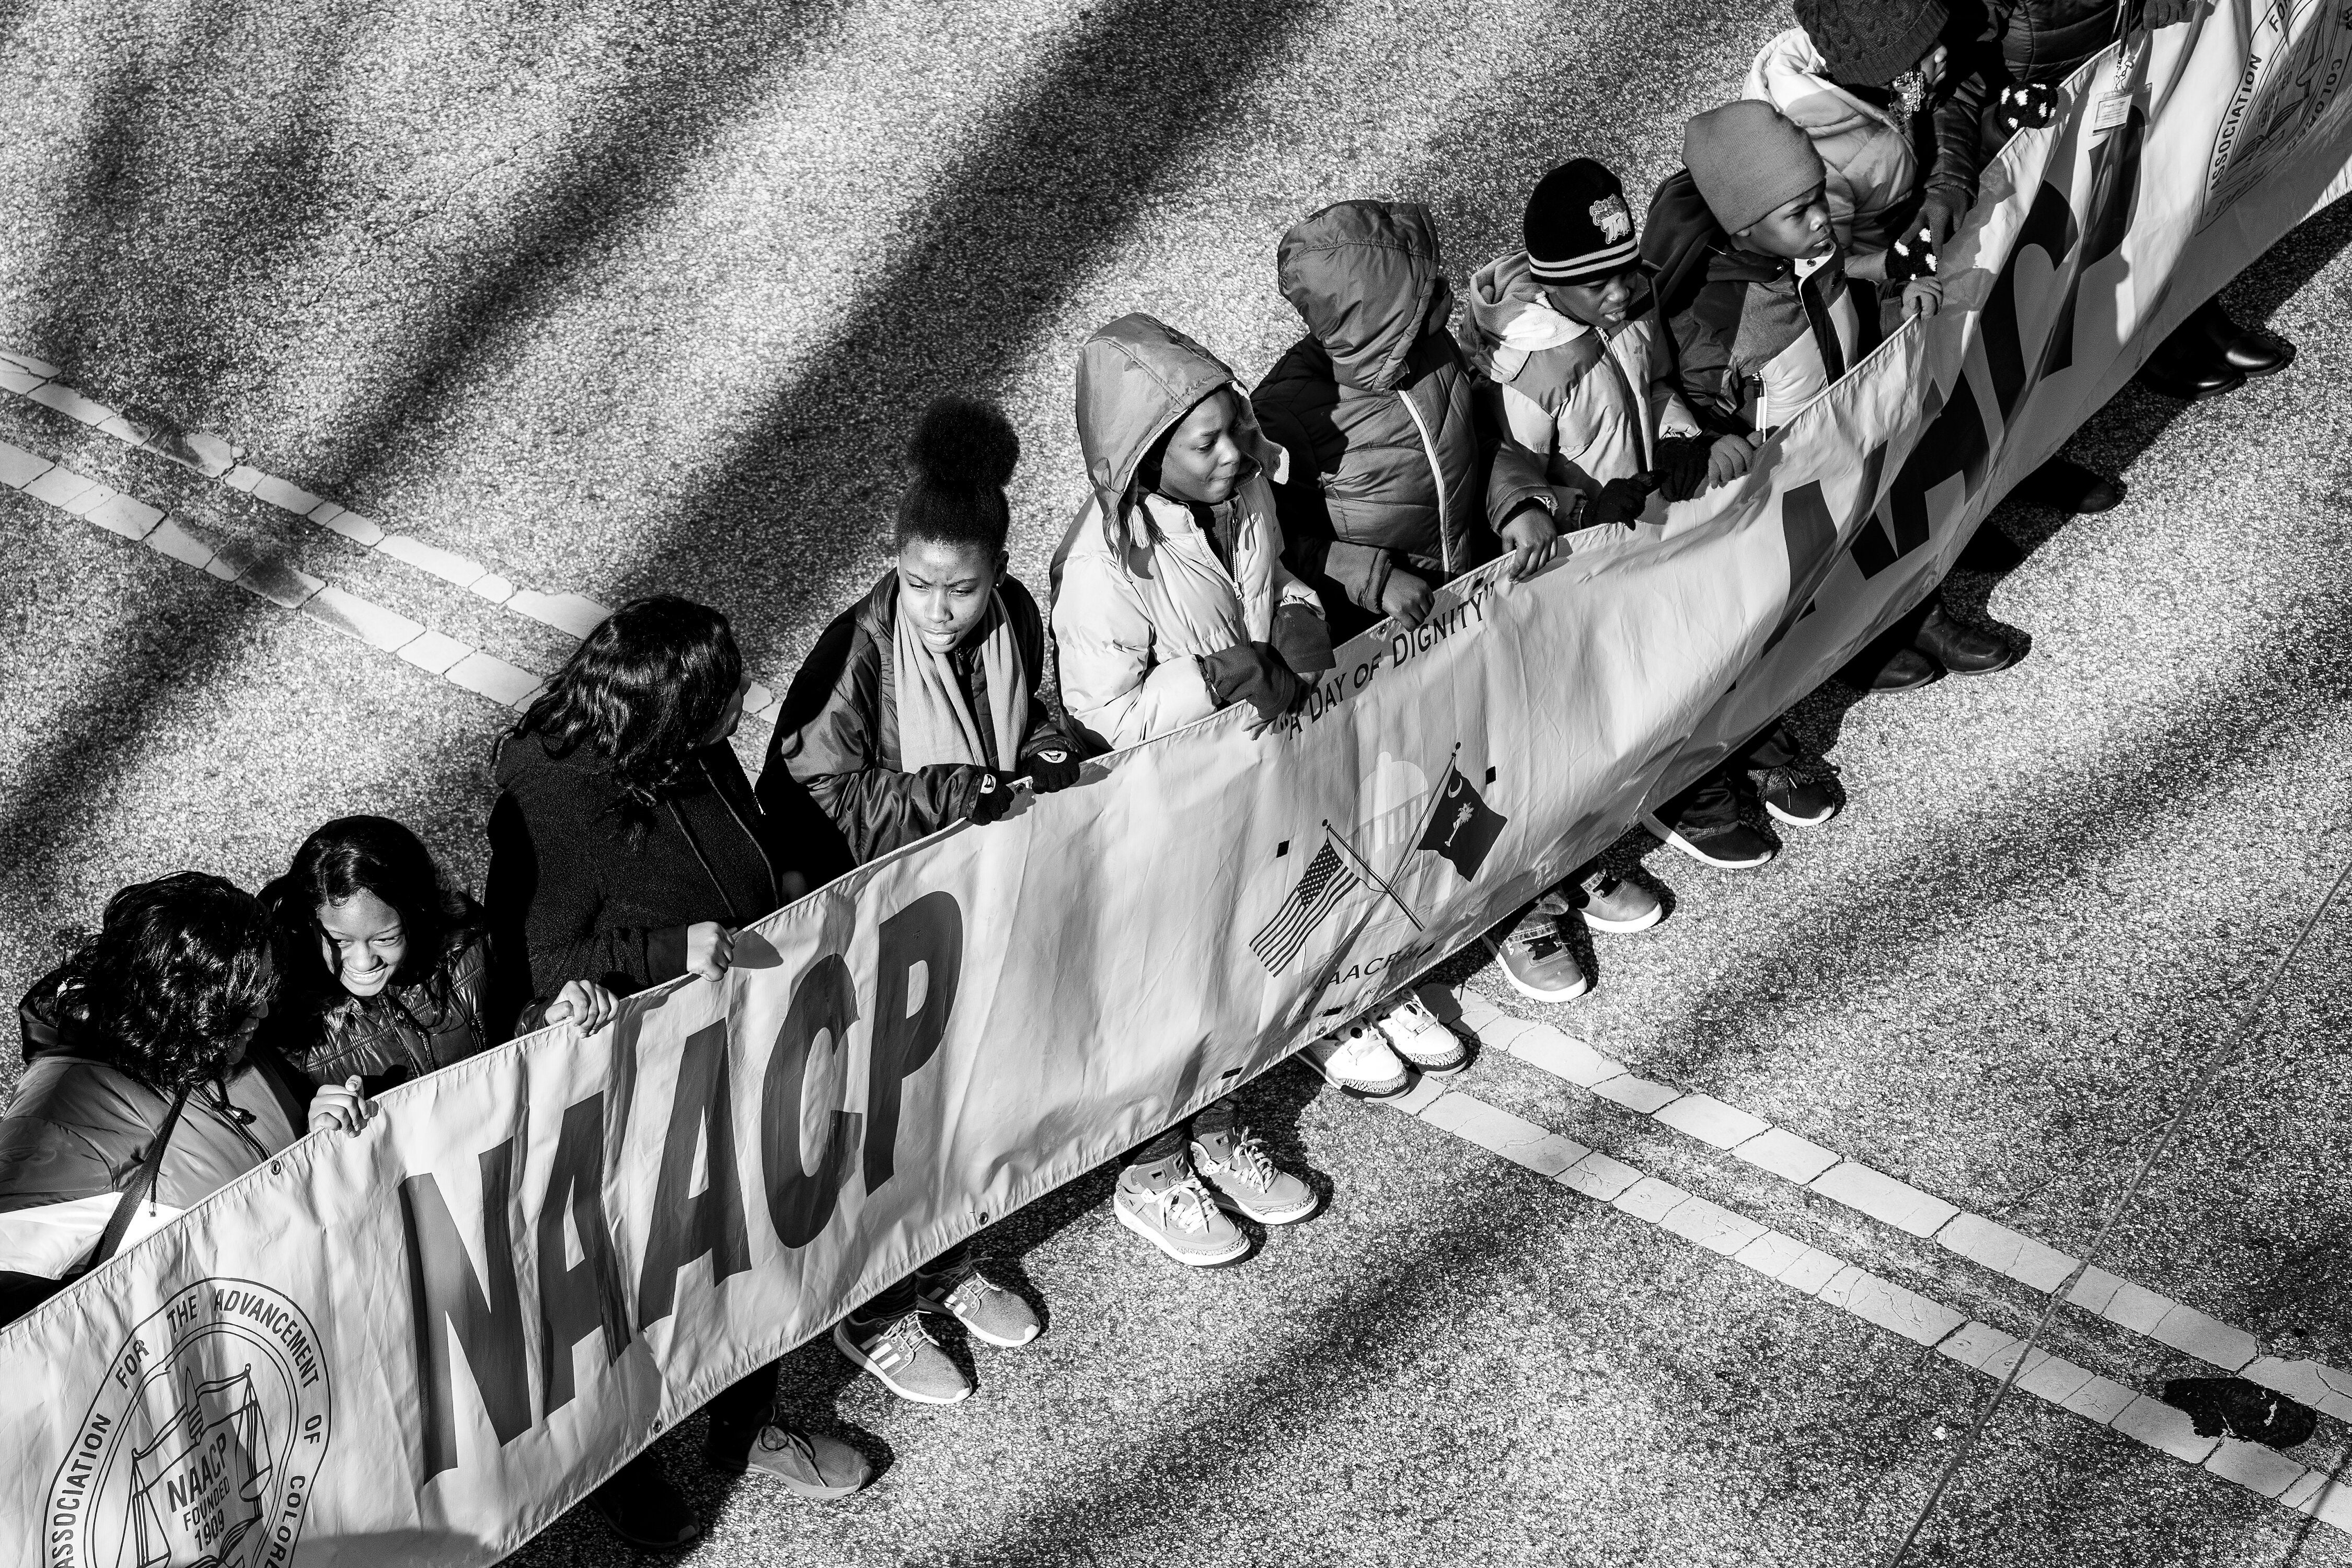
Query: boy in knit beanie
1752, 288
1574, 366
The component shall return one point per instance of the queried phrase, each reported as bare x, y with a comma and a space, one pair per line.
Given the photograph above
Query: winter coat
574, 894
1746, 352
1872, 162
78, 1126
1141, 592
1594, 406
837, 735
2048, 40
400, 1033
1391, 462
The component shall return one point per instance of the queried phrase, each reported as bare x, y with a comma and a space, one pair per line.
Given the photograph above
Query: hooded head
1367, 278
1137, 377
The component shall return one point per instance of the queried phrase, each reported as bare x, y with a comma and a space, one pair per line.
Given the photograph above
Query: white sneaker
1181, 1219
1414, 1033
1358, 1057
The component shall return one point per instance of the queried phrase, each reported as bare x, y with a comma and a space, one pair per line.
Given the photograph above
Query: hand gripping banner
427, 1343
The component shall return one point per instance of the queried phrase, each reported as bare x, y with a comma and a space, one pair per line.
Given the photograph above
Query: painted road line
574, 615
259, 572
1922, 1320
1882, 1198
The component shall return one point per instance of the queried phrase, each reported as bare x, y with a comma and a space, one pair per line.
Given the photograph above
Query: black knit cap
1579, 228
1869, 43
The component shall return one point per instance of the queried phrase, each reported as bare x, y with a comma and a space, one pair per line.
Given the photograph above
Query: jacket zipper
775, 887
1429, 449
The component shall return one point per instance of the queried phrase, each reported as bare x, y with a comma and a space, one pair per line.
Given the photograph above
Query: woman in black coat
627, 848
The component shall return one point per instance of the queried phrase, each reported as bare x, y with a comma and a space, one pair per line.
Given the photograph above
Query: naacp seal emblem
201, 1447
2295, 62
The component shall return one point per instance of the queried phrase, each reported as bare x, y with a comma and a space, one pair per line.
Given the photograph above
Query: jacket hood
1137, 378
528, 753
1791, 75
1510, 319
1367, 278
1683, 245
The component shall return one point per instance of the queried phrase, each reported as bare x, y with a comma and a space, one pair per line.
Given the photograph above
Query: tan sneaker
988, 1311
1178, 1218
1241, 1175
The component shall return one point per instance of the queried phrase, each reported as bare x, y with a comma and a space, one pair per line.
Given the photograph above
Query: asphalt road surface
510, 310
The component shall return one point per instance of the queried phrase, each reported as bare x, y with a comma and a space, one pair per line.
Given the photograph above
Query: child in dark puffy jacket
1396, 482
1753, 292
920, 706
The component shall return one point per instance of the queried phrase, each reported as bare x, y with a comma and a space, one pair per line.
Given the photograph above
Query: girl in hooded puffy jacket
923, 705
1170, 602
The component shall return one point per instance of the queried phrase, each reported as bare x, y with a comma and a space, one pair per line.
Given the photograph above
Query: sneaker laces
1246, 1159
1184, 1203
971, 1290
775, 1437
908, 1328
1536, 939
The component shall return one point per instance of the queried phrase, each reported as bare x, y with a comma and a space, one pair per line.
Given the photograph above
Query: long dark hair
175, 972
642, 691
354, 854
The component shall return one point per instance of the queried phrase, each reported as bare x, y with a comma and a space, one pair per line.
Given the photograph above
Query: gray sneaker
1179, 1219
1536, 958
1608, 902
988, 1311
1238, 1173
808, 1465
902, 1355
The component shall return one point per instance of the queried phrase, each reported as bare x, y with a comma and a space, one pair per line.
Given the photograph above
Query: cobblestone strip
573, 614
1873, 1193
1828, 1279
266, 575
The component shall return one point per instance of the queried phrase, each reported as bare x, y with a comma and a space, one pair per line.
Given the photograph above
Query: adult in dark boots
2041, 43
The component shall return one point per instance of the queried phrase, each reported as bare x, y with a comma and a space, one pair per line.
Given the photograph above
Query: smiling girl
386, 965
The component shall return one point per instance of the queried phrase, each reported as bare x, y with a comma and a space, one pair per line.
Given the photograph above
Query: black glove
1620, 501
1254, 673
1302, 640
1054, 767
1913, 256
990, 796
2024, 107
1682, 465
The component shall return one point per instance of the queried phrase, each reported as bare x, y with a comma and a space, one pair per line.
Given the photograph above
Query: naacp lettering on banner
202, 1442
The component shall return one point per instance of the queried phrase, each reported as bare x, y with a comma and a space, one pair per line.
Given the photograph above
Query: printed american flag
1325, 882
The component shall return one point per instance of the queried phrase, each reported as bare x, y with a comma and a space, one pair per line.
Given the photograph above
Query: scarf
935, 719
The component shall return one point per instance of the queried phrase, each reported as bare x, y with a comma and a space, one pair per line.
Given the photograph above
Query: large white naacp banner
426, 1343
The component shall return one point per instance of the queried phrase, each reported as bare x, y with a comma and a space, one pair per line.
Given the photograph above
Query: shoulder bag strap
141, 1185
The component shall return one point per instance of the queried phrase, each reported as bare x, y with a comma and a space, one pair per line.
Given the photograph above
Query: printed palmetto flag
1463, 828
1326, 880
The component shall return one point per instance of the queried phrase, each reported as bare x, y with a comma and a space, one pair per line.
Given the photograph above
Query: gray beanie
1746, 159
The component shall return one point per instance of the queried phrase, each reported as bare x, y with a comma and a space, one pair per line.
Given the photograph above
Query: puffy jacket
1872, 171
1742, 338
400, 1033
1592, 405
1141, 592
2048, 40
573, 894
1391, 462
837, 735
78, 1126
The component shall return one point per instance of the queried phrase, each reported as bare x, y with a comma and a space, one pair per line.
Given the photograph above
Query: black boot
1898, 671
645, 1510
2248, 350
1961, 649
2188, 366
2063, 486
